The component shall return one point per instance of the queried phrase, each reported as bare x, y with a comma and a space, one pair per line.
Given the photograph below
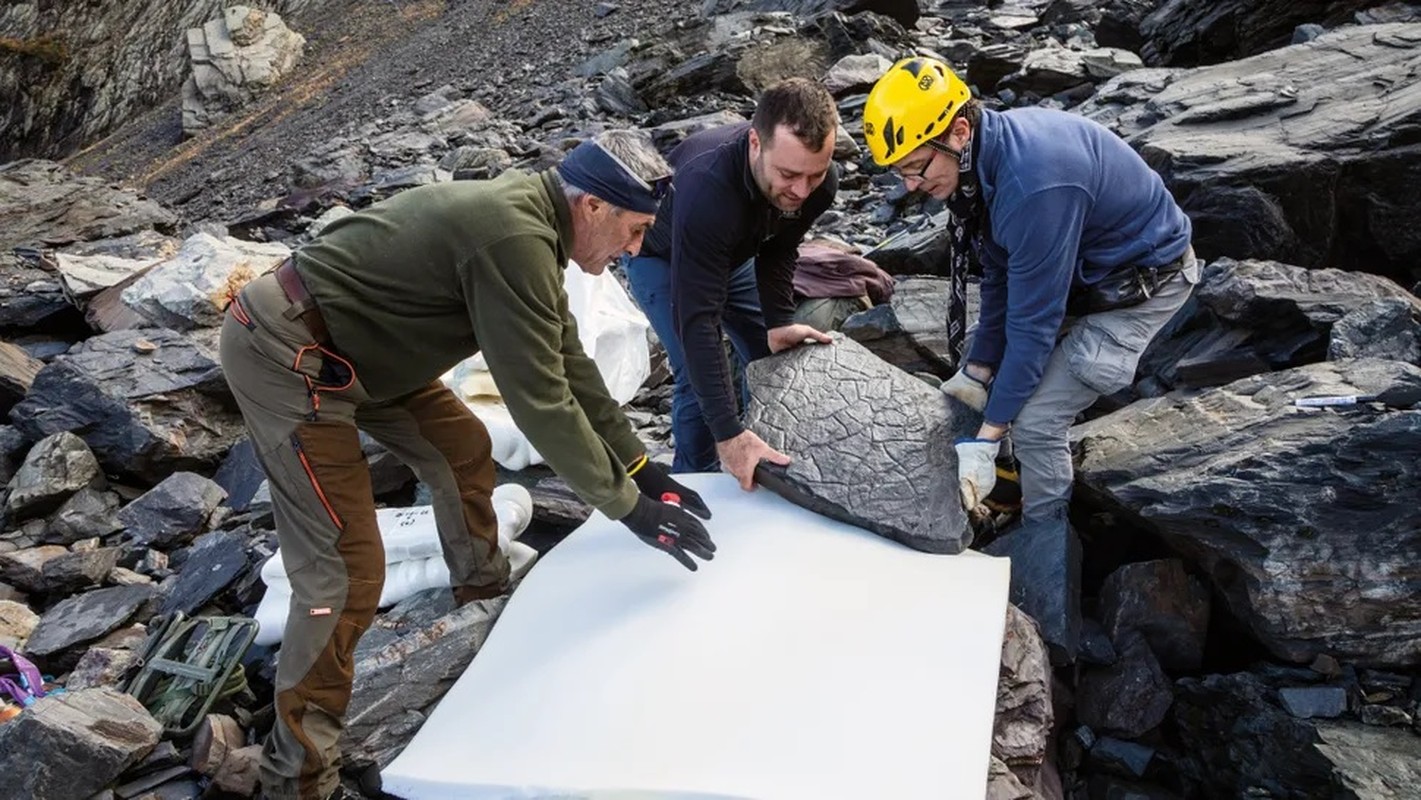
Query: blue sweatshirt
1067, 202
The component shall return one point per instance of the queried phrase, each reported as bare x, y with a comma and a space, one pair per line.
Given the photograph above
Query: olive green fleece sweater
413, 285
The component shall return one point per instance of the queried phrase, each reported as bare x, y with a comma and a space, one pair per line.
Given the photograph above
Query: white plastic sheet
612, 330
810, 659
414, 560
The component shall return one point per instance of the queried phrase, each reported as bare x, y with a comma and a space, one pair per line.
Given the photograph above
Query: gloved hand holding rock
667, 527
976, 469
968, 389
654, 481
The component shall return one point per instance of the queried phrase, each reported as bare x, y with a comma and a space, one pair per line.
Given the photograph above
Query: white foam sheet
810, 659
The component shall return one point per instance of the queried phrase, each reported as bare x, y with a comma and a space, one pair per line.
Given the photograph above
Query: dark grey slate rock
993, 62
910, 331
44, 347
31, 299
1119, 24
863, 32
240, 475
904, 12
1248, 146
387, 472
476, 163
1387, 328
607, 60
1248, 317
669, 134
1046, 579
213, 563
1307, 32
74, 744
712, 70
1385, 716
13, 446
870, 443
407, 616
919, 249
1371, 762
1096, 647
56, 467
100, 666
1115, 755
87, 514
169, 783
396, 687
1187, 34
44, 202
1233, 735
1129, 697
79, 570
616, 95
1286, 510
173, 511
24, 568
260, 508
1307, 702
1163, 602
1054, 70
85, 617
856, 73
148, 403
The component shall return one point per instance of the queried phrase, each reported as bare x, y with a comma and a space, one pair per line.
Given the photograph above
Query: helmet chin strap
963, 156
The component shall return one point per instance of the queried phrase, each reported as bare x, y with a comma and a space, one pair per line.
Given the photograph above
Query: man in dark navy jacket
721, 256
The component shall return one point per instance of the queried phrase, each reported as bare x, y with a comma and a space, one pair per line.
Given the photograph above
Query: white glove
976, 469
968, 389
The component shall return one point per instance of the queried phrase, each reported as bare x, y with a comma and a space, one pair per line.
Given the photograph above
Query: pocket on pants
1098, 359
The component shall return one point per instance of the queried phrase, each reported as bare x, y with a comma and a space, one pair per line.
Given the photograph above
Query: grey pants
1097, 356
302, 405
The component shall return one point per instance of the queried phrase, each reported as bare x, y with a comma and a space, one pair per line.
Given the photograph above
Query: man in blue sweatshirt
721, 257
1085, 256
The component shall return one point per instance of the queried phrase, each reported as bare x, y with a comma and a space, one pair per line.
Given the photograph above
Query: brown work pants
302, 404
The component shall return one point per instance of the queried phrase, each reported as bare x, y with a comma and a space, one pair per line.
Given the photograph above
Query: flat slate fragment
872, 445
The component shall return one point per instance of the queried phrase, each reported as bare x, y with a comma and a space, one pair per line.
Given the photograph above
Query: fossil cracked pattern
872, 445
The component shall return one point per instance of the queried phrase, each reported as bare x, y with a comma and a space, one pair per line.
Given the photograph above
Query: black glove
653, 481
666, 527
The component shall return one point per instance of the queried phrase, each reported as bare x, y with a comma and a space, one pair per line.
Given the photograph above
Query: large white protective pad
810, 659
612, 331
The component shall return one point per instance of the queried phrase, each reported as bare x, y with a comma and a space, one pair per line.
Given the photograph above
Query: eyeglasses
658, 188
921, 174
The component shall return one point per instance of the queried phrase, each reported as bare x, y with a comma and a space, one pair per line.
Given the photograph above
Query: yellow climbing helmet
914, 101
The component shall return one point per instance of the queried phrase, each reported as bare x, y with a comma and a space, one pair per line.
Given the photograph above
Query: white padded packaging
810, 659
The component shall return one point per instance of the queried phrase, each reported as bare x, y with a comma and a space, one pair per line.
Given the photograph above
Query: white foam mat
810, 659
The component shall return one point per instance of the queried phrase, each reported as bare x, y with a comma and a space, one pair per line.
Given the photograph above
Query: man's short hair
636, 151
970, 111
802, 105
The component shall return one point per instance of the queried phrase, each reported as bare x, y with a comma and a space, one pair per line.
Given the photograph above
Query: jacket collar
562, 212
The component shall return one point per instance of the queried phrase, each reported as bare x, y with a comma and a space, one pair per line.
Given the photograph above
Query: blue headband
597, 172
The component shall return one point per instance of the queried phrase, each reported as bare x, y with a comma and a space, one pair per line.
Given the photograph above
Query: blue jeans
650, 280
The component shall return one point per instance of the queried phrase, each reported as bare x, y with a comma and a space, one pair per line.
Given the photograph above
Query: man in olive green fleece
352, 334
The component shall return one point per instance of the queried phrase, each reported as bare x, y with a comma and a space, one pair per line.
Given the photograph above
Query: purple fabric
28, 675
826, 272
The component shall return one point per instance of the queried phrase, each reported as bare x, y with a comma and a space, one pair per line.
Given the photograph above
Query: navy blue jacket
1067, 201
715, 220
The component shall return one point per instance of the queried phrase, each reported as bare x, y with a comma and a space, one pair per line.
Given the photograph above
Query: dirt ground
362, 58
